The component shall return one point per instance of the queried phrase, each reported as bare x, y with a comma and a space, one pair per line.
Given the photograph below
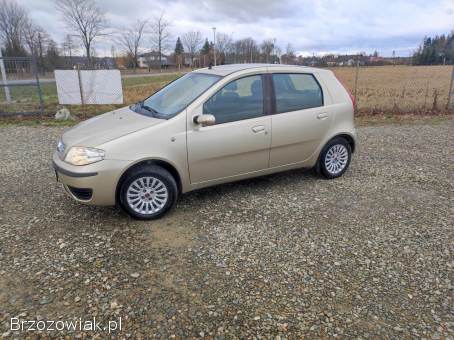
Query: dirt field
398, 88
287, 256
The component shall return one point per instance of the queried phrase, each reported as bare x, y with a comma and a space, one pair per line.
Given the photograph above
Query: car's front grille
81, 193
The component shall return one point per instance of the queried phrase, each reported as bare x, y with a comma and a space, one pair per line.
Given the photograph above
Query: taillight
352, 97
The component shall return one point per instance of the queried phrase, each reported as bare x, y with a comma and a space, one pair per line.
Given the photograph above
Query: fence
378, 89
399, 88
20, 87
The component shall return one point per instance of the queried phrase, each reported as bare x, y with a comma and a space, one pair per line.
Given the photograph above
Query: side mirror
205, 120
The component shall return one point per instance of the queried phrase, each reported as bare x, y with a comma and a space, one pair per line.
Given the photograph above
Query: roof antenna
210, 66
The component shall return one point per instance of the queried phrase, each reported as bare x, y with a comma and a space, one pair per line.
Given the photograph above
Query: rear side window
296, 92
238, 100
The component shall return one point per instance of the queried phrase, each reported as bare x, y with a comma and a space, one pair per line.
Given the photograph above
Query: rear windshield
176, 96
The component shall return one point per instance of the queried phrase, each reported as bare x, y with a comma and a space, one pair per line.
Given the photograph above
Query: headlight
79, 155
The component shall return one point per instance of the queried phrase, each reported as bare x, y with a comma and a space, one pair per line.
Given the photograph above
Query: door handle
322, 116
258, 128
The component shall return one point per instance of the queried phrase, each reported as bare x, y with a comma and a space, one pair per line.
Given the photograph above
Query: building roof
223, 70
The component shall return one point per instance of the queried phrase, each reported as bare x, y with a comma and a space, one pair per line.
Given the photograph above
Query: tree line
86, 26
228, 51
435, 50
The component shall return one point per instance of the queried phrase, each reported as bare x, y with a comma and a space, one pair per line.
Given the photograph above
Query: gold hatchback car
210, 126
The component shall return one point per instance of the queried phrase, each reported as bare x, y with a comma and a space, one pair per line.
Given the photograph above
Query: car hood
107, 127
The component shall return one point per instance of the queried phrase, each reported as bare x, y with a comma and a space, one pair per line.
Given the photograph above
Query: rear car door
300, 120
239, 142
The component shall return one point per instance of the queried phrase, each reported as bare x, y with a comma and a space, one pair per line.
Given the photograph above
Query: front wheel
335, 158
148, 192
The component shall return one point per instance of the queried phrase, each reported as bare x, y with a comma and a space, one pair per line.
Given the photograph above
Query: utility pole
450, 89
5, 80
214, 44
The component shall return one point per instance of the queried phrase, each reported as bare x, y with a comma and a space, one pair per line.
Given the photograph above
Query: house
183, 59
151, 59
375, 59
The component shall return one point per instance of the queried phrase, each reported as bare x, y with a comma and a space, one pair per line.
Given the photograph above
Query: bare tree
267, 48
290, 51
31, 34
36, 39
84, 19
13, 19
69, 47
244, 50
277, 52
131, 39
160, 35
289, 57
223, 44
192, 41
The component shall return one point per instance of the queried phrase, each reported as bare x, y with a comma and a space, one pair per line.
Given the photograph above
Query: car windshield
174, 97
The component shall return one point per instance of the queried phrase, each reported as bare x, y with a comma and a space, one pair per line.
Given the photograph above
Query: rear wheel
148, 192
335, 158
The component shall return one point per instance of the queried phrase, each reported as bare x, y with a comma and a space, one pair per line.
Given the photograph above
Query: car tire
148, 192
334, 158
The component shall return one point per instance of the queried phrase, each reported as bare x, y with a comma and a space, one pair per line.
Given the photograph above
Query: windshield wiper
148, 108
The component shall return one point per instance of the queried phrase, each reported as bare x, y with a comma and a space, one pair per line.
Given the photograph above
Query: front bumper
100, 179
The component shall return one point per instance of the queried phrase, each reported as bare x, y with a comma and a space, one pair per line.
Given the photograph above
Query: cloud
310, 26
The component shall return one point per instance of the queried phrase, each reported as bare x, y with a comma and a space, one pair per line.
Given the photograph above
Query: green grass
149, 80
49, 90
26, 98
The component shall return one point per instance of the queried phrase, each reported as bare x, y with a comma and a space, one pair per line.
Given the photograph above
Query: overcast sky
317, 26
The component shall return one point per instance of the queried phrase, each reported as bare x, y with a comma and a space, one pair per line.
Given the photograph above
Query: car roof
224, 70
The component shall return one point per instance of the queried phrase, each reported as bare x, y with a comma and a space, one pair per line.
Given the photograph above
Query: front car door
239, 142
300, 119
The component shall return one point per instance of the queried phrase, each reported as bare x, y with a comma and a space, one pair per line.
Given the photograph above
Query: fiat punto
210, 126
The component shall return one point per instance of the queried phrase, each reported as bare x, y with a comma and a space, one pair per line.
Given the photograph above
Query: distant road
17, 82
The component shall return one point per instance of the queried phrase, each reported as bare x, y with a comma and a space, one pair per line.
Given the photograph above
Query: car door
239, 142
300, 120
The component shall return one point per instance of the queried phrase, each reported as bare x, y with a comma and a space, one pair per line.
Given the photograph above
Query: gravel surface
289, 255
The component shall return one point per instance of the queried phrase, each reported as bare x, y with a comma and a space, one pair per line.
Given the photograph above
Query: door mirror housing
205, 120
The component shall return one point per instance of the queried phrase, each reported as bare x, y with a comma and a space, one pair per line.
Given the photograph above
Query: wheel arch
159, 162
348, 137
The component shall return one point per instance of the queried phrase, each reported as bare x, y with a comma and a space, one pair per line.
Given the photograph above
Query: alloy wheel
147, 195
336, 159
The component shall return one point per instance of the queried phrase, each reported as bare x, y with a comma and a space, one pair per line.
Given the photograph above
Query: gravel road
289, 255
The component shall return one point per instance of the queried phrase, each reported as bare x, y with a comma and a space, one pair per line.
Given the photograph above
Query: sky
312, 27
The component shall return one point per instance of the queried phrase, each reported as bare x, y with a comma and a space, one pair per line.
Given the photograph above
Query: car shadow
190, 200
256, 184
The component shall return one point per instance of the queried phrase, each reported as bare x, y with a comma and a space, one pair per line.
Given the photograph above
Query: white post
5, 80
214, 44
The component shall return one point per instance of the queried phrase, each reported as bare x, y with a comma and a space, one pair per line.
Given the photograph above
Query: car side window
238, 100
296, 91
